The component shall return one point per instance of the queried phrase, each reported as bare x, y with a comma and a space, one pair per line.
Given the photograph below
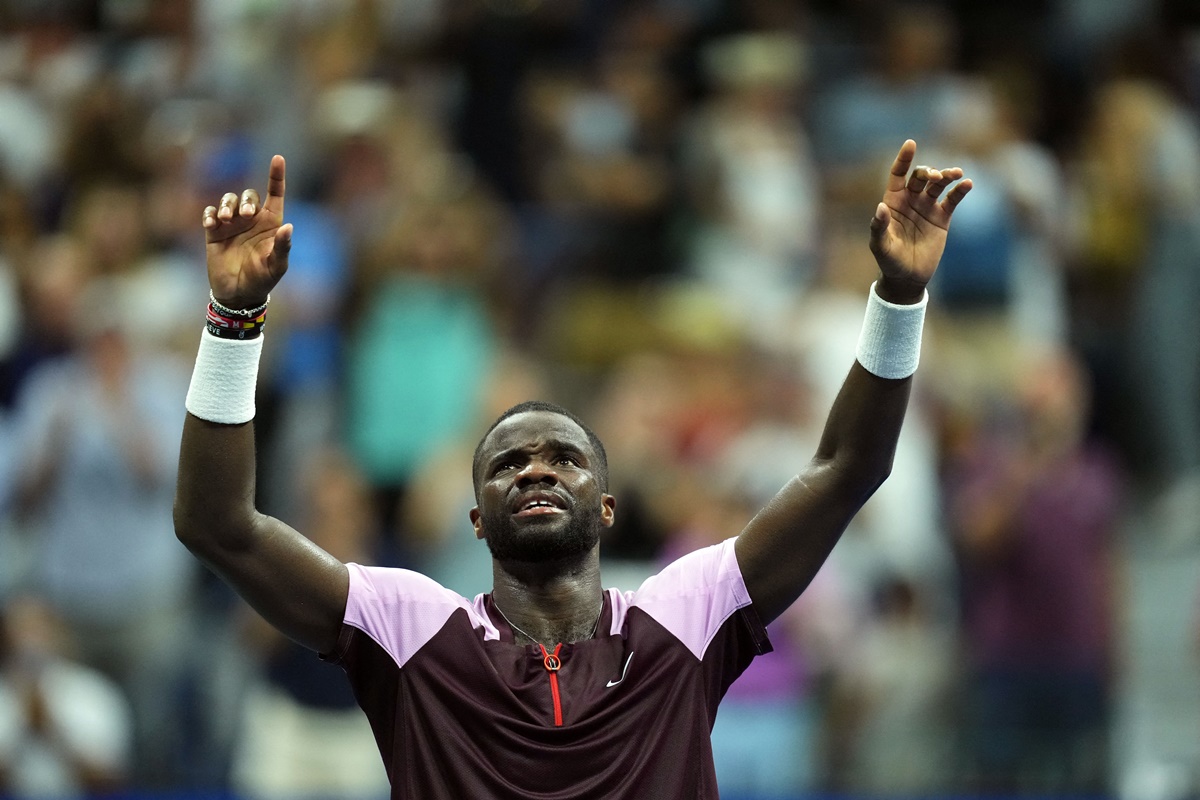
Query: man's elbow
201, 529
189, 527
858, 479
876, 472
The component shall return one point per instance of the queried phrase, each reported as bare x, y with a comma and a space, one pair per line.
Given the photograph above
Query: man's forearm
859, 440
860, 434
214, 496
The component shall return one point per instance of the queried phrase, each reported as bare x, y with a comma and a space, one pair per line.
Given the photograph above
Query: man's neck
548, 605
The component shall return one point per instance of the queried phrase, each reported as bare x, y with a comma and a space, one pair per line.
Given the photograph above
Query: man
549, 686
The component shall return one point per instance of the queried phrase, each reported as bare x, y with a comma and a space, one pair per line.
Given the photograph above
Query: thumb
278, 260
879, 226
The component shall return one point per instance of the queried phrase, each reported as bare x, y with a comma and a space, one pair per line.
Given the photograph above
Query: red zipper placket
552, 663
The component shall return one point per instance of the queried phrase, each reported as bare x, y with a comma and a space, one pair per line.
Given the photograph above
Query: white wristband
224, 379
890, 343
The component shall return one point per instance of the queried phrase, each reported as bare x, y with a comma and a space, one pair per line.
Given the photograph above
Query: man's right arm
295, 585
292, 583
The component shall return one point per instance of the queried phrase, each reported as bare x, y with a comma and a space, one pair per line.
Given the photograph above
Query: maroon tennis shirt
459, 711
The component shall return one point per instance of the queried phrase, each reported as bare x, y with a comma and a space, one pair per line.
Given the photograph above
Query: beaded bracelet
226, 311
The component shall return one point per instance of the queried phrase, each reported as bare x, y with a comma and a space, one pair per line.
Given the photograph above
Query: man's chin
540, 544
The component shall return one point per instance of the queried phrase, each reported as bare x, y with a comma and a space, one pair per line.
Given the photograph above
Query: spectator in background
422, 336
1137, 185
640, 411
894, 697
27, 132
65, 729
380, 152
1008, 280
18, 232
1033, 507
598, 150
94, 493
50, 280
110, 221
905, 86
750, 173
300, 386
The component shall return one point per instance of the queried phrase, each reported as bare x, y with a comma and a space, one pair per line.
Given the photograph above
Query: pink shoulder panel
692, 597
402, 610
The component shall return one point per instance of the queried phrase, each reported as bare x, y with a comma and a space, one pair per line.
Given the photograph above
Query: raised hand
247, 246
908, 232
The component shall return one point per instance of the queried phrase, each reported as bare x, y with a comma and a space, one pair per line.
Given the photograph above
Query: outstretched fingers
217, 219
249, 206
948, 176
921, 178
956, 195
898, 176
226, 206
276, 185
235, 214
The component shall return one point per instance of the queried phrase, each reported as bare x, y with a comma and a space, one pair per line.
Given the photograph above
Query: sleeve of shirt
390, 615
702, 600
398, 609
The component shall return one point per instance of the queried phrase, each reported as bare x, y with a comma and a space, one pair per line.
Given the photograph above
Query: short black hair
601, 466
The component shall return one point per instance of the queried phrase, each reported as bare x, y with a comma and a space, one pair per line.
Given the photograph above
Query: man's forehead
531, 428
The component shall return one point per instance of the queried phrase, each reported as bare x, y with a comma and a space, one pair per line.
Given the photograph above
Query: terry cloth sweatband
224, 379
890, 343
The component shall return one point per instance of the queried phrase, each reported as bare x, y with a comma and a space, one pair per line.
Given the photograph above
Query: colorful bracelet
223, 326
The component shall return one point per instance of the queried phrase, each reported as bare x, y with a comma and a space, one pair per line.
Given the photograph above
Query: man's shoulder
401, 610
693, 597
692, 573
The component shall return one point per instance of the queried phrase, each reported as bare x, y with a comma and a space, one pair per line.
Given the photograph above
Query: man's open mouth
538, 503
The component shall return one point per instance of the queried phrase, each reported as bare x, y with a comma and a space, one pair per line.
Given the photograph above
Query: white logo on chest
618, 680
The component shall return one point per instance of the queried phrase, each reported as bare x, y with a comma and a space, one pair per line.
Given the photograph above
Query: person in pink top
549, 685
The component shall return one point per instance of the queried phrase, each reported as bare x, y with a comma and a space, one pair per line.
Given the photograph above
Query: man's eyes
504, 466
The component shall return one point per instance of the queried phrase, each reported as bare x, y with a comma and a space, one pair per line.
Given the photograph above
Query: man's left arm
785, 544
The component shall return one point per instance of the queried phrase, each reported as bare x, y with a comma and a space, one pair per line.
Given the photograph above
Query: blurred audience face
1054, 398
55, 282
110, 224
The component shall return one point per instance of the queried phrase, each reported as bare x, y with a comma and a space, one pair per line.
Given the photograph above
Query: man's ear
608, 509
477, 522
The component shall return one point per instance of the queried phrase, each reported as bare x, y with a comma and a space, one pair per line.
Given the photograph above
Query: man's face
539, 496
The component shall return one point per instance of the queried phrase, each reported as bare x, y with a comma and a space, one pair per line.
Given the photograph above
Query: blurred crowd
654, 212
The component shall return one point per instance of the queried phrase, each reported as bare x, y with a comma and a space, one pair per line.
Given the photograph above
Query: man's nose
536, 471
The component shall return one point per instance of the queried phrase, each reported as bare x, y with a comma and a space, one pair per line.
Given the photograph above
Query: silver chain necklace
520, 630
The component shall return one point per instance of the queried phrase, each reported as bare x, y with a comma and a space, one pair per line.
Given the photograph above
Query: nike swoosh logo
618, 680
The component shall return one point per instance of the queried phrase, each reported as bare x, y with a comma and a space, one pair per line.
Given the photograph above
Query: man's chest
621, 676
